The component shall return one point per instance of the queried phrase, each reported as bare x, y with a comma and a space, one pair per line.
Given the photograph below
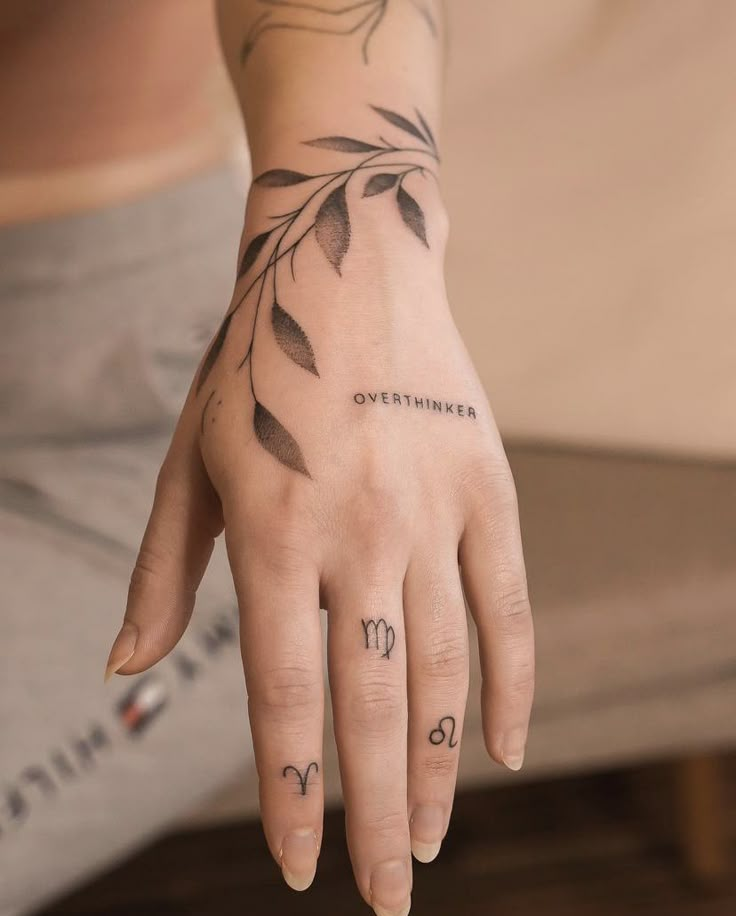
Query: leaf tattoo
332, 226
252, 251
401, 122
412, 214
281, 178
324, 211
343, 144
427, 129
277, 440
377, 184
214, 351
292, 339
426, 14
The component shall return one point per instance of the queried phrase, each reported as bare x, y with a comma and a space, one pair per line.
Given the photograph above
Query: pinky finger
494, 581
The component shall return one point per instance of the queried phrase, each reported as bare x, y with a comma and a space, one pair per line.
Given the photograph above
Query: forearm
307, 70
339, 433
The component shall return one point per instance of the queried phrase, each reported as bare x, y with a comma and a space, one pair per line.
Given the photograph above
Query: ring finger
437, 659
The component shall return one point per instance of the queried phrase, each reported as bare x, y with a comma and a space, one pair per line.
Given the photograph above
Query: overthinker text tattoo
379, 635
408, 400
439, 734
303, 778
340, 18
268, 264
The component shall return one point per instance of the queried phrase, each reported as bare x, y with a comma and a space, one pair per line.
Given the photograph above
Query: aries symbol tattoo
438, 735
302, 777
379, 635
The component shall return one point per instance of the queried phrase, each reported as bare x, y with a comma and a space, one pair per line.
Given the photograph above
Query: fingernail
299, 858
391, 888
122, 649
380, 911
427, 830
513, 749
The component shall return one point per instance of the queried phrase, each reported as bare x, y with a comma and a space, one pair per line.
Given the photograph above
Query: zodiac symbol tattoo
379, 635
302, 777
438, 735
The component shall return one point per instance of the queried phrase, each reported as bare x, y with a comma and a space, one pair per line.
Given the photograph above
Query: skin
403, 511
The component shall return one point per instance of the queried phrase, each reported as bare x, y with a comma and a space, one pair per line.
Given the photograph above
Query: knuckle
495, 475
446, 659
377, 707
441, 766
289, 500
282, 557
386, 826
146, 565
512, 603
523, 678
376, 510
285, 690
494, 497
490, 475
149, 565
516, 680
280, 548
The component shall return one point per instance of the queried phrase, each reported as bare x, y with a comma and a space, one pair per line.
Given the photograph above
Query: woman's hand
338, 432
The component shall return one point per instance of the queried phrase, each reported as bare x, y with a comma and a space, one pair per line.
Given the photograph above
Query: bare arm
338, 432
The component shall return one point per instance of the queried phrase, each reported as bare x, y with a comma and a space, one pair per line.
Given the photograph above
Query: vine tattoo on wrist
302, 777
439, 735
379, 635
325, 212
361, 17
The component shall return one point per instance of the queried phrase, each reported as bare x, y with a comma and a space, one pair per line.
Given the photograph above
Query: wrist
338, 185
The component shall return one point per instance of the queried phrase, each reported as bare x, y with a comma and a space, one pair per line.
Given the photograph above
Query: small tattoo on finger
379, 635
302, 777
438, 735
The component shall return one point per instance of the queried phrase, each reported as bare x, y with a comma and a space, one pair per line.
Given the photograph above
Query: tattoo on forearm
325, 211
379, 635
439, 734
359, 17
302, 777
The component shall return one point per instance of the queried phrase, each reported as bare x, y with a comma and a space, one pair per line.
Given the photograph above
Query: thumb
176, 548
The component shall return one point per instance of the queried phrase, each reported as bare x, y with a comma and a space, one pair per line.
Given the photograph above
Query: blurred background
589, 151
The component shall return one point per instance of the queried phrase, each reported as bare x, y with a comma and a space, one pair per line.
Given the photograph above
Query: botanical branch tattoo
359, 17
379, 635
439, 735
302, 777
324, 210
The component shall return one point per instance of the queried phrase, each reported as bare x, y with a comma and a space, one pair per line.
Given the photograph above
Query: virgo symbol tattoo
302, 777
438, 735
379, 635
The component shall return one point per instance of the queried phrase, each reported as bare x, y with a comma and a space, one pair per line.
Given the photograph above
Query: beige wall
591, 176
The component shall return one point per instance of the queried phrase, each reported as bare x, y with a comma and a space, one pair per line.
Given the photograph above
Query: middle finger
367, 663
